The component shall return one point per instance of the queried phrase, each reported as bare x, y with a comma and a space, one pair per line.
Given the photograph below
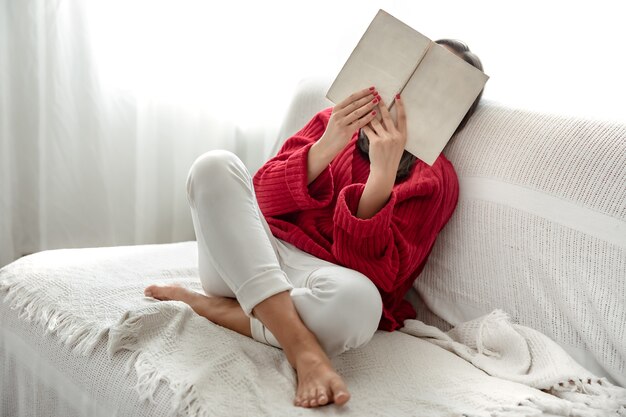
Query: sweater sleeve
390, 245
281, 183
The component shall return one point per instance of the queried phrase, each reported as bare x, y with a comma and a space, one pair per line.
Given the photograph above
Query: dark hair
408, 160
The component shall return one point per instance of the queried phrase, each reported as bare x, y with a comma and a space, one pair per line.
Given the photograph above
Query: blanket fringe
186, 399
597, 395
589, 398
125, 336
148, 378
188, 402
594, 397
35, 308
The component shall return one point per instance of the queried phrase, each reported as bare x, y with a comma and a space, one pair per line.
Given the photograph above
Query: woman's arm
384, 246
319, 157
385, 151
281, 184
365, 237
298, 177
375, 195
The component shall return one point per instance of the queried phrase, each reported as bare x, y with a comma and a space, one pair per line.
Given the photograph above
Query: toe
322, 397
156, 291
299, 395
341, 397
340, 392
312, 398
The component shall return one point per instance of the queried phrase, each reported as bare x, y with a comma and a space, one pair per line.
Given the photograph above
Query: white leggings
239, 257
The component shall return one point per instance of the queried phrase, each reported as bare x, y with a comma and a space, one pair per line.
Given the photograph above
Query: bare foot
318, 383
223, 311
174, 292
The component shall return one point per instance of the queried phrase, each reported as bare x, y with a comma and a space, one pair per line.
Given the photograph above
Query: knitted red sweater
390, 248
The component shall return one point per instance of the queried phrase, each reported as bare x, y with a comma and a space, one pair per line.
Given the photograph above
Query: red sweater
391, 248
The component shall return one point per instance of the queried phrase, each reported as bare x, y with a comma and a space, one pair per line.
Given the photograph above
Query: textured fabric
518, 353
539, 231
390, 248
341, 306
59, 302
41, 377
56, 309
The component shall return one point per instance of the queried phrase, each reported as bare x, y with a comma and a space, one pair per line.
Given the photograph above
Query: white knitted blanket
486, 367
521, 354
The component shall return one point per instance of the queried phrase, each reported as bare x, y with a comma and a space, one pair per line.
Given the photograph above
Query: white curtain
104, 105
87, 162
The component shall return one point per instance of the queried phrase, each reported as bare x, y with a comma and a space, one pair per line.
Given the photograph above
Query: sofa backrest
539, 230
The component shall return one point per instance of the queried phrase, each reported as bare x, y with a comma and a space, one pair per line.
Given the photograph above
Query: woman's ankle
225, 312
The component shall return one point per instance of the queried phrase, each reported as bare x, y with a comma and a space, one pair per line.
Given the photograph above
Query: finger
359, 123
387, 120
368, 131
401, 115
354, 96
358, 108
377, 127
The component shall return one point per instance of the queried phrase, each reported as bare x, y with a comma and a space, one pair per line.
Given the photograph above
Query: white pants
239, 257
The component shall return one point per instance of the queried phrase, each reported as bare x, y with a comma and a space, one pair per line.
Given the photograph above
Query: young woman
316, 251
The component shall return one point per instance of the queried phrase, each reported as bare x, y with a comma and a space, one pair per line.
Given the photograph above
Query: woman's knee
358, 299
352, 308
212, 170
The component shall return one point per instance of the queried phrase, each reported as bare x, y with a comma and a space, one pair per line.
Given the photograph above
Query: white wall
243, 57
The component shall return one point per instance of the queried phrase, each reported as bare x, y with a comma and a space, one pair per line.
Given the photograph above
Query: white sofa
539, 232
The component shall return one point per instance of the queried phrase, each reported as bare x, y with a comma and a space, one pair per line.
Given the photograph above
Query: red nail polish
378, 97
375, 101
398, 96
374, 113
372, 88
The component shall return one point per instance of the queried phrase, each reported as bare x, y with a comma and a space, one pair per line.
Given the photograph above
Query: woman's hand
387, 141
348, 117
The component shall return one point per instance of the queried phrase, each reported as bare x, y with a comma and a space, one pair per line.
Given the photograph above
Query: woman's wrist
374, 197
328, 147
382, 178
320, 155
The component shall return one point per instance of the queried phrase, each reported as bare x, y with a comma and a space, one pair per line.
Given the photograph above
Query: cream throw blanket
485, 367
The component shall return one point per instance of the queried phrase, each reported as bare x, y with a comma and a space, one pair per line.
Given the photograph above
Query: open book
437, 86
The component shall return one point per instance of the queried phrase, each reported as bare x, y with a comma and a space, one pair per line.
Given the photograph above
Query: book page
385, 57
436, 98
